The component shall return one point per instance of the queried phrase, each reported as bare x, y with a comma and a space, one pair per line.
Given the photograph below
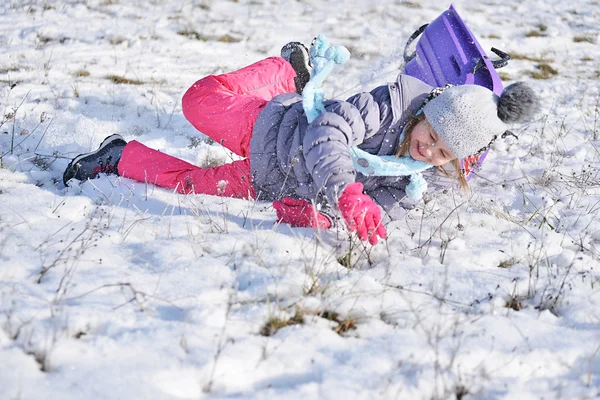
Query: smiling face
426, 145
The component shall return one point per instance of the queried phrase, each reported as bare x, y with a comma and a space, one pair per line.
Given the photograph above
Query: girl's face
426, 145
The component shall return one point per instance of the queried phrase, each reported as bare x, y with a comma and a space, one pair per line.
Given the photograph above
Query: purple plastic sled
448, 52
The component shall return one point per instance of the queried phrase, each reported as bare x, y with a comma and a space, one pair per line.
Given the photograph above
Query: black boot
103, 160
297, 54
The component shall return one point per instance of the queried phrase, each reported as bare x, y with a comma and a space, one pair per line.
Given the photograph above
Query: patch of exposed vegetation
82, 73
344, 325
504, 76
10, 83
274, 324
43, 40
121, 80
117, 40
543, 71
79, 334
539, 32
227, 38
410, 4
210, 161
534, 33
195, 35
507, 263
514, 303
13, 68
584, 39
526, 57
346, 260
190, 33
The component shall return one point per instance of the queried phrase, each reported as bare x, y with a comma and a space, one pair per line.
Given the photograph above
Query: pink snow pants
224, 107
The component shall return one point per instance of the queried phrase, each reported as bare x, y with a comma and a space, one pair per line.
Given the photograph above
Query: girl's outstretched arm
329, 137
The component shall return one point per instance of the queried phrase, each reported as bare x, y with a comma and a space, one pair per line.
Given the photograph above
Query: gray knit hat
468, 118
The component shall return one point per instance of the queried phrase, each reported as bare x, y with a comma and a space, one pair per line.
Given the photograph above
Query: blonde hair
404, 148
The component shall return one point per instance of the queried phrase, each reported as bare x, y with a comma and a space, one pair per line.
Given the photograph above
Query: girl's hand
300, 213
361, 213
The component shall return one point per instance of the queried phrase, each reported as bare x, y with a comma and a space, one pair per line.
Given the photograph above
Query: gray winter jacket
290, 157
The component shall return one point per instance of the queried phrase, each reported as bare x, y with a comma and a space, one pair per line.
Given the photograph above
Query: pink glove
361, 213
300, 213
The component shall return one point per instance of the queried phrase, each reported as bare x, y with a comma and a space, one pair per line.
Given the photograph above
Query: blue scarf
323, 58
371, 165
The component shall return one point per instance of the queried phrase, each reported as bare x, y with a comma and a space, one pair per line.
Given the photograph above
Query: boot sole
82, 157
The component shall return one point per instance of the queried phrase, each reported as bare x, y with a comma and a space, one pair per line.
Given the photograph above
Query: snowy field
112, 289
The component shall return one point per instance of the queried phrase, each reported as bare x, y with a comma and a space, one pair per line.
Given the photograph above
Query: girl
256, 112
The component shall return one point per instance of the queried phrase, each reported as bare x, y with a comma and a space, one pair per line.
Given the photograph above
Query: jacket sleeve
392, 199
327, 140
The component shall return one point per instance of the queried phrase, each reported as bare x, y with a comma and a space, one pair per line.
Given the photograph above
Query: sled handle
497, 64
504, 58
411, 39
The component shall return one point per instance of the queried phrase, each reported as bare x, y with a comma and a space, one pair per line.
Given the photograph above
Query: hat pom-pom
518, 103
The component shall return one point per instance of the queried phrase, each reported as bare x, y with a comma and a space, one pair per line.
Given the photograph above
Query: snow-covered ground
115, 289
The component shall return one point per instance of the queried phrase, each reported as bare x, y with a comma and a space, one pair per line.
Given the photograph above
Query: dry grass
195, 35
12, 68
534, 33
504, 76
543, 71
82, 73
210, 161
539, 32
117, 40
514, 303
584, 39
527, 57
507, 263
346, 260
228, 39
410, 4
43, 40
190, 33
274, 324
121, 80
343, 325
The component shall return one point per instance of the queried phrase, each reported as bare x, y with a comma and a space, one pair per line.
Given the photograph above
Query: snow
116, 289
